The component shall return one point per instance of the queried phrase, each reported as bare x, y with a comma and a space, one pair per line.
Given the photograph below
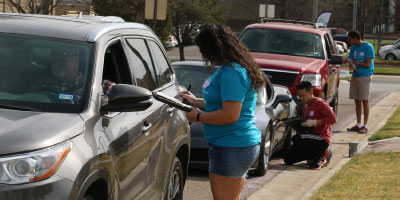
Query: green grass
386, 69
391, 129
367, 176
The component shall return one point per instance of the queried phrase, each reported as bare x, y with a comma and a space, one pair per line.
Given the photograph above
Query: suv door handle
145, 129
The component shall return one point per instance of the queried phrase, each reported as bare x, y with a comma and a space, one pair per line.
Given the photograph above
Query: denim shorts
233, 162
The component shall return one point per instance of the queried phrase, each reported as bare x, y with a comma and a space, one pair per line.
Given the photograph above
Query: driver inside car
65, 82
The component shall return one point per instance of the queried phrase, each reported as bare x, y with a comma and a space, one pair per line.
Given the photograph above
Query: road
197, 185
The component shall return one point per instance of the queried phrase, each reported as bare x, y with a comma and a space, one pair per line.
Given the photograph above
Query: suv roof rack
314, 25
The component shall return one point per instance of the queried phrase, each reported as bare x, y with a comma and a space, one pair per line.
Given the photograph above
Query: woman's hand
192, 115
188, 97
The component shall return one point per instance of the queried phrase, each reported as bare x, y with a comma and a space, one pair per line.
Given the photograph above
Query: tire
265, 154
335, 103
390, 56
174, 189
288, 143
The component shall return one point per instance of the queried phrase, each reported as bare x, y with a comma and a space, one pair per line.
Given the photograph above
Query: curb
384, 140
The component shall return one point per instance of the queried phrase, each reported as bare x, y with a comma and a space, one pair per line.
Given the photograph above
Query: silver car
64, 134
390, 52
274, 104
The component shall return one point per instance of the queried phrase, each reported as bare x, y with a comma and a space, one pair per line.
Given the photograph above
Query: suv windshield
283, 42
43, 74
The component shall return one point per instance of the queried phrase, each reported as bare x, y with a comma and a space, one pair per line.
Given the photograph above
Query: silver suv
77, 116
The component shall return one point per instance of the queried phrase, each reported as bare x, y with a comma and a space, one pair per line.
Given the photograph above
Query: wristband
198, 117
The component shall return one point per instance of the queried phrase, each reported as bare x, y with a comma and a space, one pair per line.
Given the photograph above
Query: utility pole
315, 10
380, 24
4, 6
155, 15
355, 15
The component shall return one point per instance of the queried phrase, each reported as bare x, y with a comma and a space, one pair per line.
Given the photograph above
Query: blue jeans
233, 162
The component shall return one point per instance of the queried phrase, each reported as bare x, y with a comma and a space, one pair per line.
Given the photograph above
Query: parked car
386, 46
171, 42
340, 34
291, 52
390, 52
274, 104
335, 31
343, 45
72, 145
340, 49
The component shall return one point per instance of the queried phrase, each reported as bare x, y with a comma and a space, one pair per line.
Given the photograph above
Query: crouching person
312, 145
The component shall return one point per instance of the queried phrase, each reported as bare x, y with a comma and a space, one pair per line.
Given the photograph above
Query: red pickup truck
292, 51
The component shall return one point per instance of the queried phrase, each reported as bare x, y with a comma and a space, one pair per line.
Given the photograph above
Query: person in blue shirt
361, 60
229, 101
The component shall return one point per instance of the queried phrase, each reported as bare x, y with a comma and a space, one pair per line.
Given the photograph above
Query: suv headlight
33, 166
314, 79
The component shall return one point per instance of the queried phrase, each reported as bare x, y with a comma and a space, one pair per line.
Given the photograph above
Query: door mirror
281, 98
335, 59
127, 98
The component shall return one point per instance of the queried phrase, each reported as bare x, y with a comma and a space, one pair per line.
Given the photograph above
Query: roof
66, 27
288, 26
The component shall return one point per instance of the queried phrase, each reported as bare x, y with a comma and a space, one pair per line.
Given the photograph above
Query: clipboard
171, 101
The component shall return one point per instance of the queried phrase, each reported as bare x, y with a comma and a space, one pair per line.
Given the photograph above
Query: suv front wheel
175, 181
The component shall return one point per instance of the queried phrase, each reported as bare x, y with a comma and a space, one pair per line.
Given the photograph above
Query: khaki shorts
359, 87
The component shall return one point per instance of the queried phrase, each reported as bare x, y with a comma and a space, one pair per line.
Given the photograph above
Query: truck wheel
335, 103
390, 56
175, 182
265, 153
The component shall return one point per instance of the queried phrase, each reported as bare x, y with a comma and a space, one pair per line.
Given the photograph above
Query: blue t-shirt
361, 54
229, 83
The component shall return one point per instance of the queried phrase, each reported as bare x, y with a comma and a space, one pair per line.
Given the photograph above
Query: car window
342, 32
44, 74
329, 46
193, 75
283, 42
116, 68
139, 56
163, 70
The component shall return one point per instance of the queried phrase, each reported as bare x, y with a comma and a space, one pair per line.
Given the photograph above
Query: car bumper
52, 188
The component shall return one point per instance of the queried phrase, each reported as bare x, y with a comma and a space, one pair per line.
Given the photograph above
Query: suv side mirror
127, 98
281, 98
335, 59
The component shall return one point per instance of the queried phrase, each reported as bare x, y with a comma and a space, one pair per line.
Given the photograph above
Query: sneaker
363, 130
327, 156
318, 165
353, 129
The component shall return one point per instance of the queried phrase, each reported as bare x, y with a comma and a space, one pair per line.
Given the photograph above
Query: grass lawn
367, 176
385, 69
390, 129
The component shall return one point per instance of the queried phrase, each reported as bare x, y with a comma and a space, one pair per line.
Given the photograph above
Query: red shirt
320, 110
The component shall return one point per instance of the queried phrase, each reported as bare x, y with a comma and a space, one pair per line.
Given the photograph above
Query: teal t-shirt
361, 54
229, 83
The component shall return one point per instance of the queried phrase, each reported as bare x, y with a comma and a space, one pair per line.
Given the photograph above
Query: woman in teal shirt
229, 101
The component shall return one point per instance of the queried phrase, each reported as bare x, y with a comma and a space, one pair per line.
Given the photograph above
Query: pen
188, 88
187, 92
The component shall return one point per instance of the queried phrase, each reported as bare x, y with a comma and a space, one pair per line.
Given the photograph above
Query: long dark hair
220, 46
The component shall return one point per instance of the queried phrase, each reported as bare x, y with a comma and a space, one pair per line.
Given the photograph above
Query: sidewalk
298, 182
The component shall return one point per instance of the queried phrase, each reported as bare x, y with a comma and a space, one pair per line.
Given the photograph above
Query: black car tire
335, 103
287, 143
265, 153
174, 190
390, 56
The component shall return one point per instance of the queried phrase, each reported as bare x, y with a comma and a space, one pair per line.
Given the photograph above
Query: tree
189, 14
32, 6
129, 10
132, 10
